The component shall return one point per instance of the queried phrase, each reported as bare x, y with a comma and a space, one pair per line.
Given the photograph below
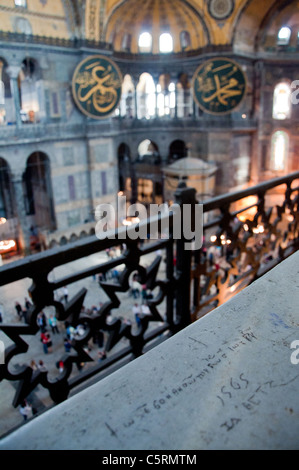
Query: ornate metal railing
249, 233
245, 234
7, 36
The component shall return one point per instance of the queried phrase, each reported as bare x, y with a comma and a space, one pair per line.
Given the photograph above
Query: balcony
214, 341
227, 382
43, 131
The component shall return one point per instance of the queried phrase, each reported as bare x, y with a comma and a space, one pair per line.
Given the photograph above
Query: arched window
28, 78
177, 150
126, 42
21, 3
165, 43
145, 42
6, 105
39, 200
146, 96
124, 170
6, 190
22, 26
2, 93
127, 102
184, 97
279, 150
185, 39
282, 101
284, 35
165, 96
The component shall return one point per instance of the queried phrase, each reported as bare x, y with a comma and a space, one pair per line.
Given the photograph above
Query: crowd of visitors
58, 338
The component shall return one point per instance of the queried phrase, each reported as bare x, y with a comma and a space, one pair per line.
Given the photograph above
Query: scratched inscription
246, 395
238, 395
210, 363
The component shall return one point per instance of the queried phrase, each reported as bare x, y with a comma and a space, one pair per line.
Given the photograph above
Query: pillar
13, 72
23, 232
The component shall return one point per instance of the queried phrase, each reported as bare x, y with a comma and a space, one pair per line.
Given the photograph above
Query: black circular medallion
96, 86
219, 85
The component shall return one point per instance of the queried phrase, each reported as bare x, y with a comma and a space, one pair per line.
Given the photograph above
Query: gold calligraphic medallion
96, 86
219, 85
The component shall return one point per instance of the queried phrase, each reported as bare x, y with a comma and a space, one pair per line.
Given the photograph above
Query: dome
128, 21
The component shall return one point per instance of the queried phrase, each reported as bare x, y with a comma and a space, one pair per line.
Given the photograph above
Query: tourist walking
53, 324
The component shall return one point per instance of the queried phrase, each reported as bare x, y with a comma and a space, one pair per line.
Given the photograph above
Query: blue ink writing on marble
277, 321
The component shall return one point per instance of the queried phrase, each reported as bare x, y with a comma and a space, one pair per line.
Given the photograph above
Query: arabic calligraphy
219, 86
97, 86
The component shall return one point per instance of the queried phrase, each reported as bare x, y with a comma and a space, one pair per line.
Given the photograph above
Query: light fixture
7, 245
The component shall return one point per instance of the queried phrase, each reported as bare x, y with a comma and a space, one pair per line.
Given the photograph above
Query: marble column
23, 232
135, 82
13, 72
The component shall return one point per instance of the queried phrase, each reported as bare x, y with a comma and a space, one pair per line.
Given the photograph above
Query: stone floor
10, 417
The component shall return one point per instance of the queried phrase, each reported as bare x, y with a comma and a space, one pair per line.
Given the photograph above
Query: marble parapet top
228, 381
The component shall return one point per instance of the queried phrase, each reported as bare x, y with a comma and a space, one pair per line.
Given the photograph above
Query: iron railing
246, 233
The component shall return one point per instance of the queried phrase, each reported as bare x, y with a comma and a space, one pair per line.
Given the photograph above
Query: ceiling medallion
219, 85
221, 9
96, 86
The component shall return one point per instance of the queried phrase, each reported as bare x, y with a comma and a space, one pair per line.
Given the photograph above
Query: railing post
184, 196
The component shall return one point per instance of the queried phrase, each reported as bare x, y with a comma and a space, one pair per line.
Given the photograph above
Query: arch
145, 42
185, 40
53, 244
22, 26
251, 23
21, 3
175, 16
281, 14
279, 150
282, 107
124, 167
284, 36
63, 241
29, 75
148, 151
165, 43
177, 150
126, 42
166, 96
148, 173
184, 96
127, 101
38, 191
6, 191
6, 105
146, 96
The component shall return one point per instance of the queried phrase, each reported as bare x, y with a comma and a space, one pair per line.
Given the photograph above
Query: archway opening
38, 192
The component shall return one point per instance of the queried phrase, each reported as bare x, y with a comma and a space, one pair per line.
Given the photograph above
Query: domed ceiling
156, 17
193, 24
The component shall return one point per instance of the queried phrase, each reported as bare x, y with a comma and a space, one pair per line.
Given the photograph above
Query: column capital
13, 71
17, 177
